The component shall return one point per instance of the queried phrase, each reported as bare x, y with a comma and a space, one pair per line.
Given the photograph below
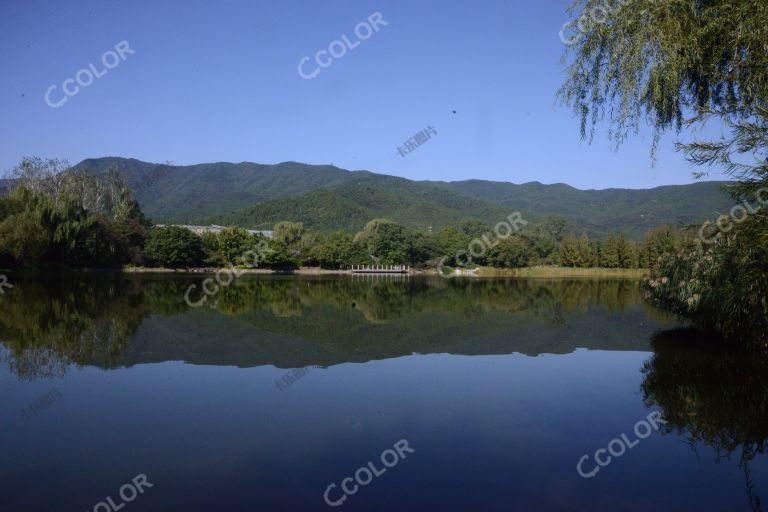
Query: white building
213, 228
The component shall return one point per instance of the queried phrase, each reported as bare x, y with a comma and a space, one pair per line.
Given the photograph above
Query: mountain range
326, 198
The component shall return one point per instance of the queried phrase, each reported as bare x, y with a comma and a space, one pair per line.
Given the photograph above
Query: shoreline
540, 272
483, 272
564, 272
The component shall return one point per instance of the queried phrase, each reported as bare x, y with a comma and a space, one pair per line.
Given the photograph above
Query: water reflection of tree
48, 325
387, 300
712, 394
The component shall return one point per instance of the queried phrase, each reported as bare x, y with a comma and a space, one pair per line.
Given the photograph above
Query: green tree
385, 241
511, 252
55, 215
657, 242
628, 252
36, 230
672, 63
474, 228
569, 252
338, 251
173, 247
424, 249
278, 255
212, 254
554, 228
309, 239
288, 234
234, 243
22, 238
586, 258
453, 242
609, 252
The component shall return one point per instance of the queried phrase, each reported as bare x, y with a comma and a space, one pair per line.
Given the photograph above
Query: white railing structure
380, 269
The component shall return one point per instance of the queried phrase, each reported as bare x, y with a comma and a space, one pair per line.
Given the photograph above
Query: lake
369, 393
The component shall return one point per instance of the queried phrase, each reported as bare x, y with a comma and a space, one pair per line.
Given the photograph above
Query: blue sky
218, 81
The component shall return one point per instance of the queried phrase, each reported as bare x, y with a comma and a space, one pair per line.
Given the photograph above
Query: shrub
173, 247
337, 251
512, 252
233, 243
278, 256
721, 288
212, 256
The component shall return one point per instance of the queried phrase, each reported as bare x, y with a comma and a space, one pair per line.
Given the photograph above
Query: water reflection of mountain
112, 320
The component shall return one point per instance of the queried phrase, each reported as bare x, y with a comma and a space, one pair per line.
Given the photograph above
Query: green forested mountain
326, 198
614, 209
351, 205
171, 193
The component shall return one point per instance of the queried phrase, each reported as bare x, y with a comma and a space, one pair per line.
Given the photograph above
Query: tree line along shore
73, 219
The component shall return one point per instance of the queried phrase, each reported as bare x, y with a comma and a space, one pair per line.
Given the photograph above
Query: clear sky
219, 81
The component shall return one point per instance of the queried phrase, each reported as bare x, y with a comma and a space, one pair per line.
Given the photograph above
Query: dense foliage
670, 63
385, 242
681, 63
53, 217
420, 206
173, 246
722, 288
60, 216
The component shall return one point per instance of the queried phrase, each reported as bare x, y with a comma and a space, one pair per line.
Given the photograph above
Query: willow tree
676, 65
667, 63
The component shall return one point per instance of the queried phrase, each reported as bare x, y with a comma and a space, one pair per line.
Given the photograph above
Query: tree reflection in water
711, 393
49, 324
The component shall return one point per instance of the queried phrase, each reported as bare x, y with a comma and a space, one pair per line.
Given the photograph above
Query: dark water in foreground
280, 387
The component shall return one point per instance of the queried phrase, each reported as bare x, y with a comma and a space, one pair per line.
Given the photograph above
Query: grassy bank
210, 270
562, 272
305, 271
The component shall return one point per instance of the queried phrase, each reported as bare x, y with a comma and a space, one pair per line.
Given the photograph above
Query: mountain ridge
326, 197
332, 166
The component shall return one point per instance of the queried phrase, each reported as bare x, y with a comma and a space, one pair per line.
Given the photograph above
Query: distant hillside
634, 211
351, 205
327, 198
170, 193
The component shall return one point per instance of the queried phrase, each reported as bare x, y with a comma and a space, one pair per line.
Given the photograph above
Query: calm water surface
279, 387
